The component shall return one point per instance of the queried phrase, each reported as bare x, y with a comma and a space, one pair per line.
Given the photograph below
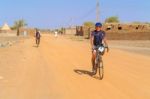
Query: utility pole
98, 11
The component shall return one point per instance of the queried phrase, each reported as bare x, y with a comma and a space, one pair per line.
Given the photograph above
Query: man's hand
107, 49
92, 47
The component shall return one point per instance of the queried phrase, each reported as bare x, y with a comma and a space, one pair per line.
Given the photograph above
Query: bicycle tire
101, 69
38, 42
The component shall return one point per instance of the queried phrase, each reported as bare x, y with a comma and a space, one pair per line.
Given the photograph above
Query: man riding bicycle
37, 37
98, 38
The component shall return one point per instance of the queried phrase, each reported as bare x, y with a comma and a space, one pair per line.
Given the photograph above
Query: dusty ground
50, 72
133, 46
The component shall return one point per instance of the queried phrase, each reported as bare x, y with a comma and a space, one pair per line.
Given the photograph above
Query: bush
113, 19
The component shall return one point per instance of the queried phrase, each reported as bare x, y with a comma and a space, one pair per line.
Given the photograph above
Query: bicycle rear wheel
101, 70
38, 42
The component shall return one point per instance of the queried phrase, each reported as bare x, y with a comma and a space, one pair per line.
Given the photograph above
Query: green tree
137, 22
88, 25
113, 19
19, 24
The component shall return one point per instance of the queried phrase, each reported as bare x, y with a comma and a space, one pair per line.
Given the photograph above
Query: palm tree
19, 24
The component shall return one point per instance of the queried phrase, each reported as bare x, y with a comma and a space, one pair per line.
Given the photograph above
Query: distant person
25, 33
98, 38
56, 34
37, 37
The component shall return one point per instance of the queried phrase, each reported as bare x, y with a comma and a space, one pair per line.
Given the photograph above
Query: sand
49, 72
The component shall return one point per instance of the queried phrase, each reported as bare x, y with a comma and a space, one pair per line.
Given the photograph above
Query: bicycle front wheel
101, 70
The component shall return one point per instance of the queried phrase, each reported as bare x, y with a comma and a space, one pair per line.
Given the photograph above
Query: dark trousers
37, 40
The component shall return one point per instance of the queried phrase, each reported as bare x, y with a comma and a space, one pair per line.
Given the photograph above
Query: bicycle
98, 65
37, 42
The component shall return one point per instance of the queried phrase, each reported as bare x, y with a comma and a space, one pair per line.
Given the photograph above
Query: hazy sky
57, 13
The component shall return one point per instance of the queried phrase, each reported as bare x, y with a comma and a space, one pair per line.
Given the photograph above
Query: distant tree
19, 24
113, 19
89, 24
137, 22
147, 22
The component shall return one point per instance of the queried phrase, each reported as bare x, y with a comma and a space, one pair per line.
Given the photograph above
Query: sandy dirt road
50, 72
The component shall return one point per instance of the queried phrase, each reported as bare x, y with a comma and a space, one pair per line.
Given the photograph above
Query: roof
5, 27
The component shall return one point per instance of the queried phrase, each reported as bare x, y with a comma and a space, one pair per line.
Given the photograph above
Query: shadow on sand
85, 72
35, 46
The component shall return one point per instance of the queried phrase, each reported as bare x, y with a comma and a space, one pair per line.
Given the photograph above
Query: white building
5, 28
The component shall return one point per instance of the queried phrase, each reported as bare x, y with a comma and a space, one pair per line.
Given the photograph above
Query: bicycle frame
98, 57
99, 64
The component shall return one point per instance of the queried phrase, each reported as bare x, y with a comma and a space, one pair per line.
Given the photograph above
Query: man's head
98, 26
36, 29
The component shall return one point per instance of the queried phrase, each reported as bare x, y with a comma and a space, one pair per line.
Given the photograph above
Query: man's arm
91, 40
40, 33
35, 34
106, 44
